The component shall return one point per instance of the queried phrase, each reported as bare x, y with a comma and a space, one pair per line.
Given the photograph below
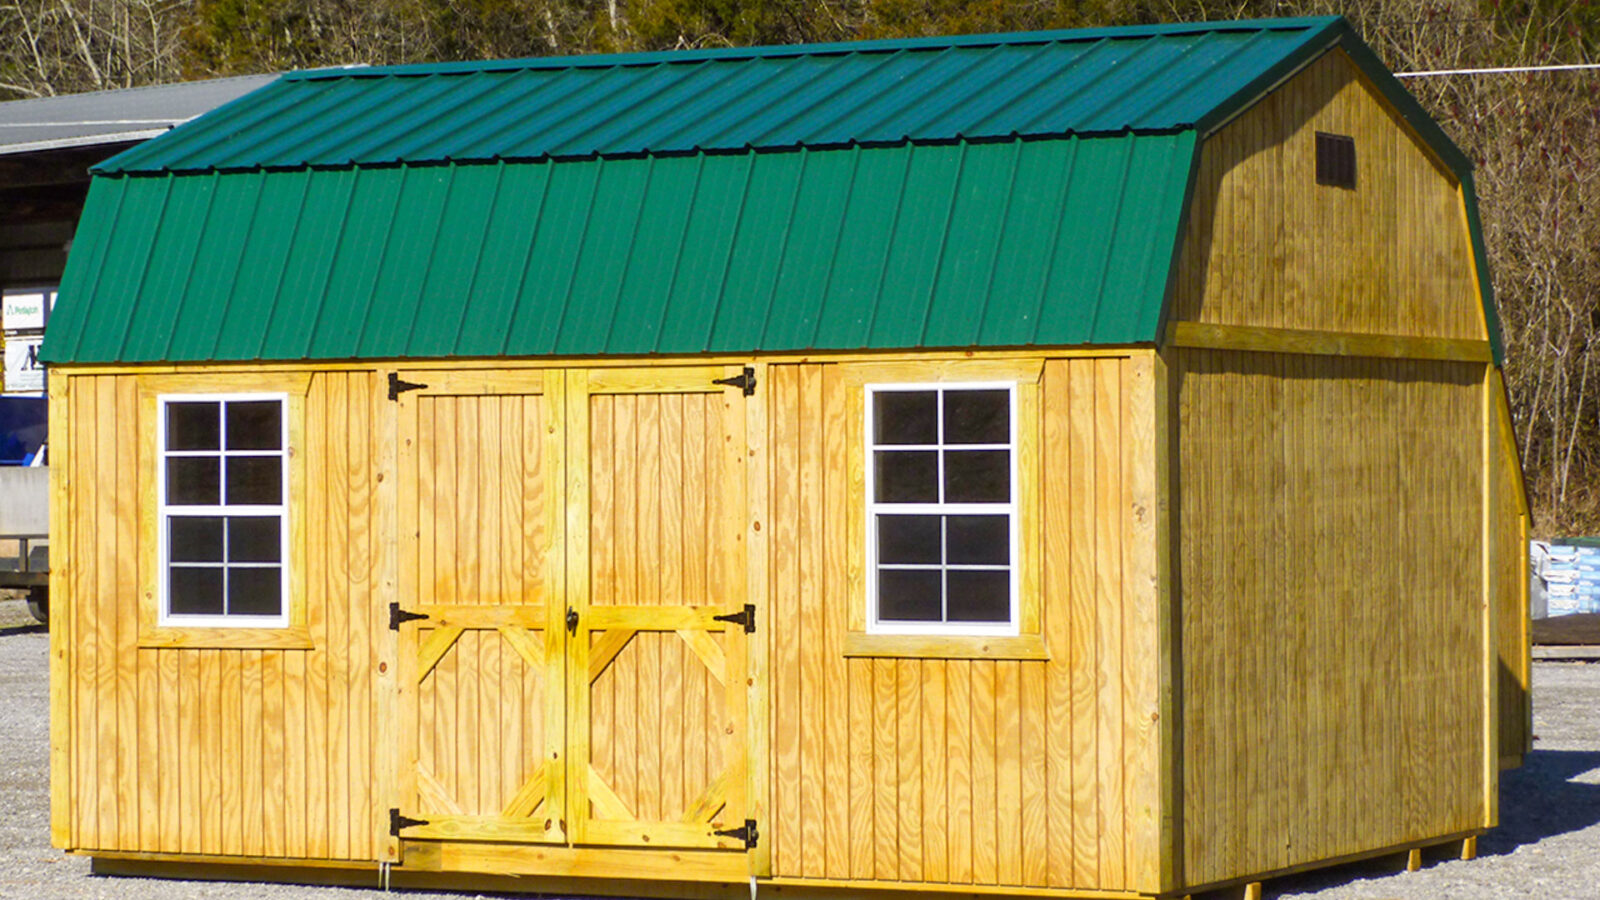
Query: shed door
571, 539
656, 701
481, 675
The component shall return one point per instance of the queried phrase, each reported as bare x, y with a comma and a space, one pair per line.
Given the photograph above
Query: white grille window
223, 525
941, 509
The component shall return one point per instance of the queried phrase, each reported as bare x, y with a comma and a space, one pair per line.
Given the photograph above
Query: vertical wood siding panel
1058, 535
273, 747
814, 654
786, 709
230, 725
361, 766
105, 615
126, 602
1008, 771
931, 766
985, 851
1088, 822
832, 538
958, 770
907, 756
885, 755
322, 416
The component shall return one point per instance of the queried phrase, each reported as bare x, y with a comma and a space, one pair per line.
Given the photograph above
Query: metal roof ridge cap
882, 45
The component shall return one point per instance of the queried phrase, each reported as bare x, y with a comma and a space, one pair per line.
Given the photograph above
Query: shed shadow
1538, 801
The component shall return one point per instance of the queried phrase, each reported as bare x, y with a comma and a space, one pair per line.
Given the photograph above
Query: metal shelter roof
112, 117
1002, 190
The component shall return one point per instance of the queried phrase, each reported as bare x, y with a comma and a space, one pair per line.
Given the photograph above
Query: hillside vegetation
1534, 136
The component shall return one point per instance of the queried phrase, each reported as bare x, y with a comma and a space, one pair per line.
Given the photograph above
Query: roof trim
122, 137
781, 51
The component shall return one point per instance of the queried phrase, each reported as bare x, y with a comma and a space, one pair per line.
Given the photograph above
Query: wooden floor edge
791, 887
1397, 850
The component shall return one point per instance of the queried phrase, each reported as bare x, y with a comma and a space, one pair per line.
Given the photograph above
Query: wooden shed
1065, 464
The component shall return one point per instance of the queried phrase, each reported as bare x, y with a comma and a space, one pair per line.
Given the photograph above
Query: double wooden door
572, 545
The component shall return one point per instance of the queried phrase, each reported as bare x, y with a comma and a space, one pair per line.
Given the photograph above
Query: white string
1500, 71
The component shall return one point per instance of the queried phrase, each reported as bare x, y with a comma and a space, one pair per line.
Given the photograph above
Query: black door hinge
397, 822
746, 833
398, 615
745, 617
745, 382
398, 387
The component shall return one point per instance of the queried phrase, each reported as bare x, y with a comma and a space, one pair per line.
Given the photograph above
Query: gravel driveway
1548, 844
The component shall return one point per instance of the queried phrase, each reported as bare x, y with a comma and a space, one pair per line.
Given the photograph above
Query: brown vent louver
1336, 160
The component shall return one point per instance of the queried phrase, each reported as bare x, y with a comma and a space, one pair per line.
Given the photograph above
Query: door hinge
745, 617
398, 387
397, 822
398, 615
745, 382
746, 833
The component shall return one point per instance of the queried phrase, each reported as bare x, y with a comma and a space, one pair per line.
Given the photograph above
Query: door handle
572, 621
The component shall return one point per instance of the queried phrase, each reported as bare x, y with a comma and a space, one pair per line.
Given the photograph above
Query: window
222, 528
941, 509
1336, 160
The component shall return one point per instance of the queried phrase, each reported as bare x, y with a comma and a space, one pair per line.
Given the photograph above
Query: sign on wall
23, 371
27, 309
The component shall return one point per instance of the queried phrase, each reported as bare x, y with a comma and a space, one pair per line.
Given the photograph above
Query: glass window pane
253, 539
905, 417
193, 591
909, 595
255, 479
192, 425
982, 596
255, 591
977, 417
977, 476
906, 476
255, 425
192, 480
195, 539
978, 540
909, 539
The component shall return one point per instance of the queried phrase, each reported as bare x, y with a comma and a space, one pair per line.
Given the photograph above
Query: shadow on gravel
22, 629
1538, 801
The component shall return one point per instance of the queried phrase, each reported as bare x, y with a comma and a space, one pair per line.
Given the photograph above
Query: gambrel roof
1001, 190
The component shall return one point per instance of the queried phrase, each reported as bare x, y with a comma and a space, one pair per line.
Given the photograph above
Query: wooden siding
1330, 515
253, 752
1028, 773
1265, 245
1509, 582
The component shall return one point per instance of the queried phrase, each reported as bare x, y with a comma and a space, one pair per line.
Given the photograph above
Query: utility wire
1499, 71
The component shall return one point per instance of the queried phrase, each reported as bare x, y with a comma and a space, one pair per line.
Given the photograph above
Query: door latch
572, 621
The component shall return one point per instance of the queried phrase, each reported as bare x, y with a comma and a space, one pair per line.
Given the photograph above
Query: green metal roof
1016, 243
1102, 81
1010, 190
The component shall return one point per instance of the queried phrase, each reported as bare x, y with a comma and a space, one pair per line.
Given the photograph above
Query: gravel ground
1547, 846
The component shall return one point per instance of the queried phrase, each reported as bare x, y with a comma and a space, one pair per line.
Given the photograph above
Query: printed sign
23, 370
27, 308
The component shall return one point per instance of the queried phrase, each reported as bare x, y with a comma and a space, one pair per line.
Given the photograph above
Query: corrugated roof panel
1023, 242
1044, 84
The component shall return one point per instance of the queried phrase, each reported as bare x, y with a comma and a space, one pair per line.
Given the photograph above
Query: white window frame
165, 511
1012, 627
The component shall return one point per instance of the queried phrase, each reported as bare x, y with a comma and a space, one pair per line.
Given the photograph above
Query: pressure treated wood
1330, 519
1030, 774
249, 750
1265, 245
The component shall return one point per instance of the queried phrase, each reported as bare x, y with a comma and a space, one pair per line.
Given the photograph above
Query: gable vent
1336, 160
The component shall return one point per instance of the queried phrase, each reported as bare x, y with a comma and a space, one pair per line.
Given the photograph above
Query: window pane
979, 540
255, 591
192, 480
195, 591
192, 425
977, 476
255, 479
983, 596
906, 476
908, 595
905, 417
908, 539
977, 417
195, 539
253, 539
255, 425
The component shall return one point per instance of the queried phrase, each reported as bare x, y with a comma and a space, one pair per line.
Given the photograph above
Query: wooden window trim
296, 635
1029, 642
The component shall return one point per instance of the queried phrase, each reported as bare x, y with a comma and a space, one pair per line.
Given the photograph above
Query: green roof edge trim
779, 51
